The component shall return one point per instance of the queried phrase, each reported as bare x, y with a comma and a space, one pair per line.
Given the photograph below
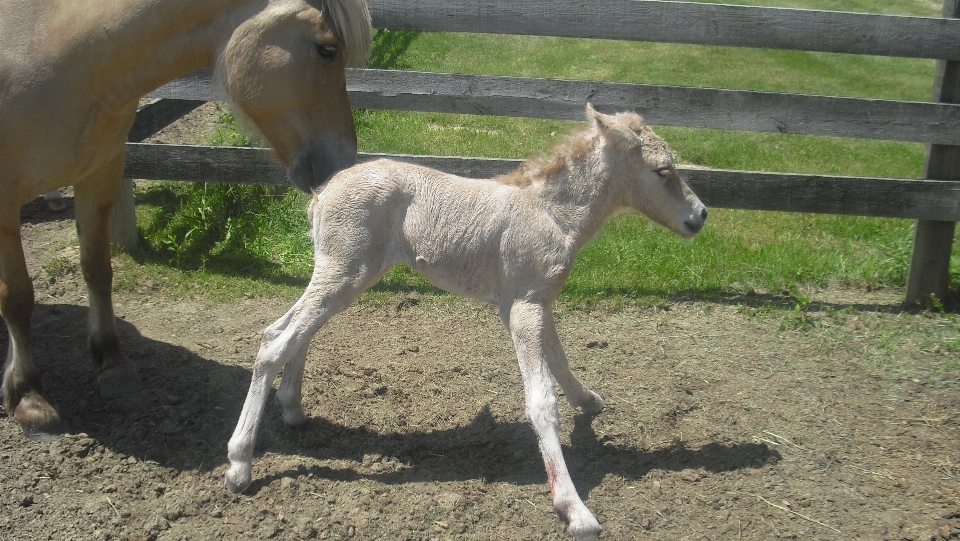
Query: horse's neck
142, 44
578, 196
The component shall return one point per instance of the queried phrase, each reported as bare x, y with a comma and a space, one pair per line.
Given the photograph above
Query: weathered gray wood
151, 118
682, 22
659, 104
899, 198
198, 163
929, 274
196, 85
123, 218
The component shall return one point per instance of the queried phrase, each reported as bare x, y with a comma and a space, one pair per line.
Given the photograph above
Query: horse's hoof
116, 382
38, 419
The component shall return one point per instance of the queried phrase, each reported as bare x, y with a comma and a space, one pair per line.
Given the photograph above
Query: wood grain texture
659, 104
663, 105
898, 198
682, 22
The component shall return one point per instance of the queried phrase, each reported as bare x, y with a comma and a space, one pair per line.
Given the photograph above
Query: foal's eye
327, 51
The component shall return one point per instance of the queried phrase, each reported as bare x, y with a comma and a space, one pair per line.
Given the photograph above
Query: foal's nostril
703, 214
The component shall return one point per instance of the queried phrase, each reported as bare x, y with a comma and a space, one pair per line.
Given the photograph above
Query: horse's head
283, 67
643, 174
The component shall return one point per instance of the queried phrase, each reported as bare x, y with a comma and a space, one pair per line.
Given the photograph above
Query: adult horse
71, 74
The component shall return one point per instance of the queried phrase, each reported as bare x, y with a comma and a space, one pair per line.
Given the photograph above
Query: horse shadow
186, 413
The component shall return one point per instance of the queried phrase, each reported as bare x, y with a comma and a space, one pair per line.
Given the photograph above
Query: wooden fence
933, 200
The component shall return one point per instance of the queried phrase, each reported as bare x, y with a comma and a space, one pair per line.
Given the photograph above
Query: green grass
257, 237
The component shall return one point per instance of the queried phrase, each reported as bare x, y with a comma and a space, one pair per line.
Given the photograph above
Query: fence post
123, 218
151, 118
932, 241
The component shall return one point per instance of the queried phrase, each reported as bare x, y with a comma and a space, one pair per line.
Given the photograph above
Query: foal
510, 241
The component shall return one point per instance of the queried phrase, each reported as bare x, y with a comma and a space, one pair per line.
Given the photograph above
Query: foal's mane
573, 146
350, 20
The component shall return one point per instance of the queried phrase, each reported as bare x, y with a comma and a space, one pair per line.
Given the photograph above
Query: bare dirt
743, 417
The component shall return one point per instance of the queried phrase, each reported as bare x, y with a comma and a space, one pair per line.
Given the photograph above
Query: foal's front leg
528, 326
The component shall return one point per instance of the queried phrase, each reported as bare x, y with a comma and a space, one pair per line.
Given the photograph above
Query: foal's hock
510, 241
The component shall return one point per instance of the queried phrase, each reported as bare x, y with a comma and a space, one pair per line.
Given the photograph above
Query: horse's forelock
351, 21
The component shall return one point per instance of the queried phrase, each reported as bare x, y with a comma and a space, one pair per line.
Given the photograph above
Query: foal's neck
578, 196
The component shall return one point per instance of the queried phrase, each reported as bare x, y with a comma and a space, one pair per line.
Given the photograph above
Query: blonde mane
573, 146
350, 19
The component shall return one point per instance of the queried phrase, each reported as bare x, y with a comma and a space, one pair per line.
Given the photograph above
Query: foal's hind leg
527, 325
578, 395
285, 344
93, 199
290, 393
22, 396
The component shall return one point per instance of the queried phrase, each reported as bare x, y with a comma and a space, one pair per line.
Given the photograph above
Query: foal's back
459, 233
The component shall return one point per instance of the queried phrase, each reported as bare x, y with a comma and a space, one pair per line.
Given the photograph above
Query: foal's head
283, 66
643, 173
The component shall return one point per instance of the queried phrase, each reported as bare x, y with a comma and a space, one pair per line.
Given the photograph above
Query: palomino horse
510, 241
71, 74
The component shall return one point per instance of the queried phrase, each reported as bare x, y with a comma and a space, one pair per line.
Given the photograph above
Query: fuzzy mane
350, 20
573, 146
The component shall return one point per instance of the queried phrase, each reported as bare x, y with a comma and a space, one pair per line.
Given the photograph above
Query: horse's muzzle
311, 168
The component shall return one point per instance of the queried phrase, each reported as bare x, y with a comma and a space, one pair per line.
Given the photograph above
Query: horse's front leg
527, 325
93, 199
22, 392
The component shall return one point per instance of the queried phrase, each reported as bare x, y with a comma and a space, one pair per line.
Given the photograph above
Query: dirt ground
743, 417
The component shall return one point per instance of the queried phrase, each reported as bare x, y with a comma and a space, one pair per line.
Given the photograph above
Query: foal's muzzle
695, 224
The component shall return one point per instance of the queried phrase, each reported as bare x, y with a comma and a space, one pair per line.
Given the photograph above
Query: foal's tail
313, 215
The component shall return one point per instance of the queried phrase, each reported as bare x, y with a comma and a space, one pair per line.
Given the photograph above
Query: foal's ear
598, 119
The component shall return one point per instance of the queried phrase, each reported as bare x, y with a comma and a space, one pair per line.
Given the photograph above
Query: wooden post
151, 118
123, 218
932, 241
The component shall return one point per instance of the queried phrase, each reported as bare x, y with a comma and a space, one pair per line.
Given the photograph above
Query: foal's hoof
593, 404
118, 381
38, 419
238, 478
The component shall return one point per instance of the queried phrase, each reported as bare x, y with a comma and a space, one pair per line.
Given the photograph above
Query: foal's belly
474, 277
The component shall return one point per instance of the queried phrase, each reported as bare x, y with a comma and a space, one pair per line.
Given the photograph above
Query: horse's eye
663, 172
327, 51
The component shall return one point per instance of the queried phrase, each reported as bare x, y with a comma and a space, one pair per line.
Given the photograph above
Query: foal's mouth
694, 226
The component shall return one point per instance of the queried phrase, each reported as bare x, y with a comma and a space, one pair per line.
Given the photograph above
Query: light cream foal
510, 241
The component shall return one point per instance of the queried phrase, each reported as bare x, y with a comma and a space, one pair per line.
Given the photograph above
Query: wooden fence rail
935, 200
